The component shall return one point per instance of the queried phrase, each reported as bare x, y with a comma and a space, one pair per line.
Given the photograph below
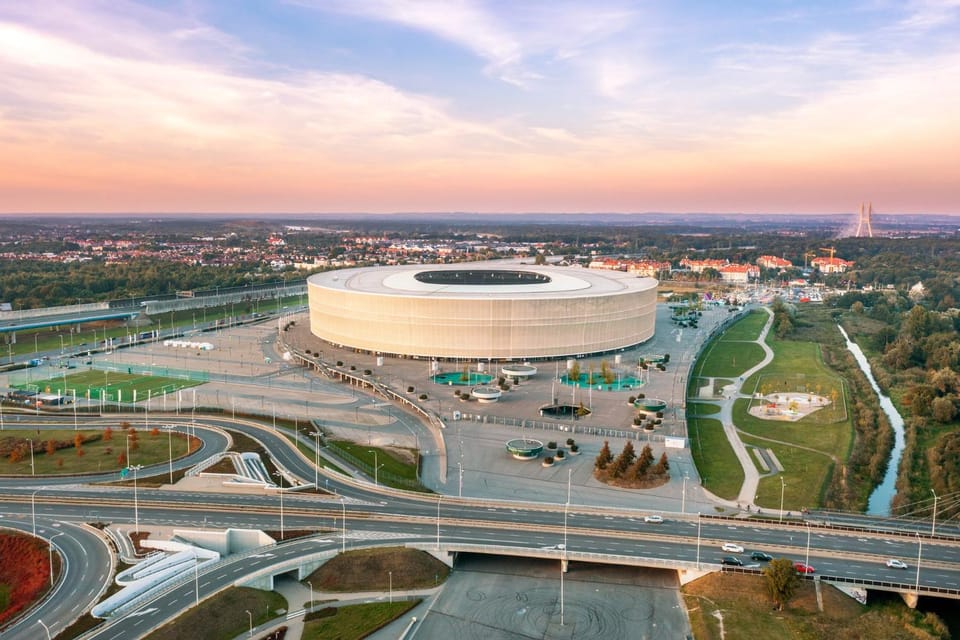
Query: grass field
747, 328
113, 386
718, 465
355, 621
724, 605
98, 454
224, 616
728, 359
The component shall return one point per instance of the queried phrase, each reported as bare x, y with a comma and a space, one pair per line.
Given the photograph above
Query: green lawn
805, 476
728, 359
98, 454
747, 328
224, 616
114, 385
718, 465
389, 463
353, 622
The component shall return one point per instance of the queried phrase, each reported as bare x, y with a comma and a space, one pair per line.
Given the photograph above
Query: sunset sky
479, 106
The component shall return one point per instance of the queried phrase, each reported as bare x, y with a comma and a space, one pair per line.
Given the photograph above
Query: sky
343, 106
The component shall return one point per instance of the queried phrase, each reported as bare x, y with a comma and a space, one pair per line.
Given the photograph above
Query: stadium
482, 311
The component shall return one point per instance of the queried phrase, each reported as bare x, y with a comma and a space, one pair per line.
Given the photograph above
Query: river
880, 499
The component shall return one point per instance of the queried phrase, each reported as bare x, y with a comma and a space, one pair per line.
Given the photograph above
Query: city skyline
426, 105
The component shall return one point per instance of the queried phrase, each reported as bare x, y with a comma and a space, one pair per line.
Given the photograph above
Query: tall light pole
806, 560
343, 538
311, 592
250, 618
280, 491
376, 468
460, 474
698, 540
50, 554
439, 498
782, 487
316, 458
566, 508
169, 429
933, 525
390, 573
683, 496
45, 628
919, 554
33, 509
136, 507
33, 470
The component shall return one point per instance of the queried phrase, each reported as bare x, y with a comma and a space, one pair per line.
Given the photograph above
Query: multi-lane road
856, 554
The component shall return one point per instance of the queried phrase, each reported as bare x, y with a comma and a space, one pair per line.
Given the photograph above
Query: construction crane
832, 250
809, 254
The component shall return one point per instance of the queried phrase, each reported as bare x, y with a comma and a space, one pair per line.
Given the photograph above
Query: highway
376, 512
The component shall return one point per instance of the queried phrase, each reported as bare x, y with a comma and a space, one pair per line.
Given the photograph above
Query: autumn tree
78, 440
782, 581
122, 459
623, 461
573, 373
154, 432
16, 455
662, 466
644, 462
107, 434
943, 409
134, 443
51, 447
604, 458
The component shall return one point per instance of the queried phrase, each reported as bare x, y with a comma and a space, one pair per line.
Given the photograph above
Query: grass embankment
24, 572
720, 470
355, 621
224, 616
369, 570
737, 606
98, 451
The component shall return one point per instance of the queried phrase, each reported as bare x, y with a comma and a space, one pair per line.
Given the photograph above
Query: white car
654, 519
893, 563
730, 547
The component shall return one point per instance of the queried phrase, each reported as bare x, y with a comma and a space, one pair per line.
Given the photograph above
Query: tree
943, 409
51, 447
782, 581
605, 457
662, 466
573, 373
643, 462
107, 434
623, 461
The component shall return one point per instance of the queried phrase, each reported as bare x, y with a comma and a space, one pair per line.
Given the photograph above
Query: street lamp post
45, 628
783, 485
280, 491
136, 508
316, 458
933, 524
806, 560
343, 539
439, 498
33, 509
919, 554
33, 469
390, 573
169, 429
683, 496
50, 554
250, 618
376, 468
698, 540
311, 592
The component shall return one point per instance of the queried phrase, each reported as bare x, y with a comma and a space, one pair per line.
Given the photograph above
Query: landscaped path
751, 477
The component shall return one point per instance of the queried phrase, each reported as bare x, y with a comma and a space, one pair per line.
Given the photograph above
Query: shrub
641, 396
422, 396
410, 389
367, 372
551, 445
339, 363
659, 414
638, 420
504, 387
631, 399
574, 448
353, 367
560, 454
570, 442
548, 460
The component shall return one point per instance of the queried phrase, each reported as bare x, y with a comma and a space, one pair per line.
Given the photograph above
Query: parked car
761, 556
730, 547
654, 519
731, 560
803, 568
893, 563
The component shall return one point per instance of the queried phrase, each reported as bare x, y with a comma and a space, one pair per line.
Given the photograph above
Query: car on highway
761, 556
653, 519
731, 547
803, 568
731, 560
893, 563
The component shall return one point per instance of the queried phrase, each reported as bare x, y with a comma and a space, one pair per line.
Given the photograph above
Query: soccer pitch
110, 385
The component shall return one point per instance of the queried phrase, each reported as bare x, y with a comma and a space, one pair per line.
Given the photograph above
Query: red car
802, 568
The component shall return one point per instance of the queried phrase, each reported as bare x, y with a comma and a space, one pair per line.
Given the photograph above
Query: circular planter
525, 449
486, 394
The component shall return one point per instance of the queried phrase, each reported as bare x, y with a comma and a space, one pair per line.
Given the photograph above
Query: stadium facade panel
483, 311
